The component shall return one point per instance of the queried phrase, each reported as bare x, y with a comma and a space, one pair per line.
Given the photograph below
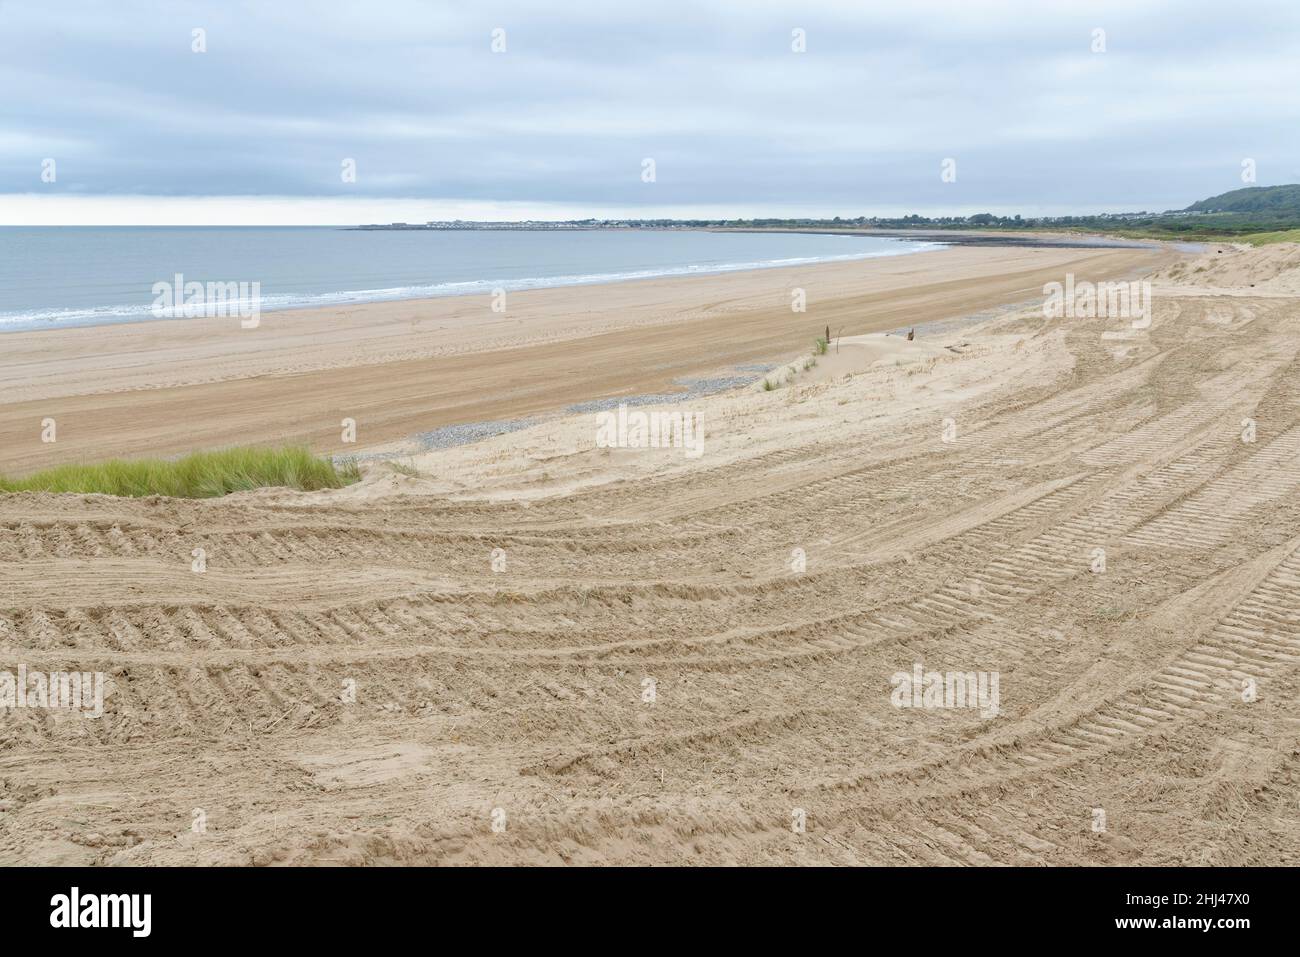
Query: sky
110, 115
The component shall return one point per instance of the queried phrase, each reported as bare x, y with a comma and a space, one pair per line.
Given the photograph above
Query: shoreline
926, 241
970, 237
958, 236
59, 319
401, 369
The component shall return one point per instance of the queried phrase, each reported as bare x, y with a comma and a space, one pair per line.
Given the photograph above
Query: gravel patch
695, 388
453, 435
450, 436
445, 438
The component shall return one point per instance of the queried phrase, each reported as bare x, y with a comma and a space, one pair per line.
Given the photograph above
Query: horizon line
70, 209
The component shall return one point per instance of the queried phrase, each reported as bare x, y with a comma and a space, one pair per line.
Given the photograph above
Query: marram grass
1267, 239
201, 475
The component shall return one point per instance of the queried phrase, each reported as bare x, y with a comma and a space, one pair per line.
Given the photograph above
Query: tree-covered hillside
1269, 200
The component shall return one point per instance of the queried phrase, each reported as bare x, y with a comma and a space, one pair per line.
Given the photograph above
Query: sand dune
504, 616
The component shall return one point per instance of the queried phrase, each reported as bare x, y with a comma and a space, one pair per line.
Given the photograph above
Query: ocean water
53, 277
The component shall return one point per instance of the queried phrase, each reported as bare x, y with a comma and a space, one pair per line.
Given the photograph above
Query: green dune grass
201, 475
1267, 239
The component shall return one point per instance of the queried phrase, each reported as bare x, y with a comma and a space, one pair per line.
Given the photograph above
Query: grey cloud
712, 92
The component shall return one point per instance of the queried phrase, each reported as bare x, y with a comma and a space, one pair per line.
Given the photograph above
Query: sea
61, 276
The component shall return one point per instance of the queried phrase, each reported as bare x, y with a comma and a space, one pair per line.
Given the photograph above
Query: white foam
136, 312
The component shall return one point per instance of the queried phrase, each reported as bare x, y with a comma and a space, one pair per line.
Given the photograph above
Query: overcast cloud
559, 124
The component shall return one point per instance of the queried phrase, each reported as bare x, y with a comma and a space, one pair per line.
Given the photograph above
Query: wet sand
403, 368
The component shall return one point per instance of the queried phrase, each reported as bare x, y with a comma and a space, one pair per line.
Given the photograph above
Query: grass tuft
821, 345
201, 475
348, 469
404, 468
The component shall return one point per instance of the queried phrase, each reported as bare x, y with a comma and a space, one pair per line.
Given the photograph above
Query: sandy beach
403, 368
535, 650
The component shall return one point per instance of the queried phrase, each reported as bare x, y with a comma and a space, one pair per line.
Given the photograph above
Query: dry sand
403, 368
517, 697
